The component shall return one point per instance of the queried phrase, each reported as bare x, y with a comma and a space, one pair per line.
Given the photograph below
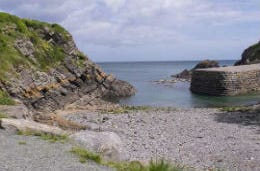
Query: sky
150, 30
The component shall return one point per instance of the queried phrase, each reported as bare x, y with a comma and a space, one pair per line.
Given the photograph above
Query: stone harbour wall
226, 81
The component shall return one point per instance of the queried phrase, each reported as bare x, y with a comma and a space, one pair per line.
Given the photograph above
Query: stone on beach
107, 144
26, 125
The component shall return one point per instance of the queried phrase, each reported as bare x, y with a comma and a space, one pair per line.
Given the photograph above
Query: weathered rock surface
53, 72
26, 125
107, 144
18, 111
251, 55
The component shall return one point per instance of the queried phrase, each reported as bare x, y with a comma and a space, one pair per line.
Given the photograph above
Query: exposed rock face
52, 72
251, 55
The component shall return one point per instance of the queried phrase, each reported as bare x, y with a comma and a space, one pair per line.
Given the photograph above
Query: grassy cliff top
25, 42
251, 55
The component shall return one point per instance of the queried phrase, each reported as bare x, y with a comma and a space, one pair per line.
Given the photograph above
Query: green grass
3, 115
85, 155
128, 109
161, 165
47, 55
5, 99
22, 143
235, 109
133, 109
242, 109
254, 52
44, 136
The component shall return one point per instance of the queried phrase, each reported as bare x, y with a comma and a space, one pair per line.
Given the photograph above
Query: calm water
142, 75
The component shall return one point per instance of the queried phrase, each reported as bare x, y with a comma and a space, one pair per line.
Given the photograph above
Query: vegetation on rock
85, 155
44, 136
251, 55
206, 64
16, 32
5, 99
41, 65
3, 115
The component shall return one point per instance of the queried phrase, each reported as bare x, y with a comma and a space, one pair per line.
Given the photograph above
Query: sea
143, 74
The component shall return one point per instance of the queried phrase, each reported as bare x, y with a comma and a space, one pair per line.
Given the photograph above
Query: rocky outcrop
186, 74
206, 64
45, 69
251, 55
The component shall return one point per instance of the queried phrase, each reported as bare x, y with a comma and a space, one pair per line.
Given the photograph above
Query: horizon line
164, 61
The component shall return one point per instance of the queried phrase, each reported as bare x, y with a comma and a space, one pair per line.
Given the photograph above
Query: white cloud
122, 23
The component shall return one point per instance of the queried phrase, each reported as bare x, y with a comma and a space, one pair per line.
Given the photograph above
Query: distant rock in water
41, 65
206, 64
186, 74
251, 55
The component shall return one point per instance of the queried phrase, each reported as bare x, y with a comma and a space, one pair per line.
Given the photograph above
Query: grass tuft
235, 109
5, 99
85, 155
44, 136
3, 115
22, 143
161, 165
128, 109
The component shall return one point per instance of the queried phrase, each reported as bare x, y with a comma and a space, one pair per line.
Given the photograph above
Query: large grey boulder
26, 125
107, 144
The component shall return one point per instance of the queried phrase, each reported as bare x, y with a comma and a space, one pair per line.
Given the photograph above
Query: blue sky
150, 30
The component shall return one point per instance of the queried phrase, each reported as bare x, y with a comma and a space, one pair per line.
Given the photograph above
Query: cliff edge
41, 66
251, 55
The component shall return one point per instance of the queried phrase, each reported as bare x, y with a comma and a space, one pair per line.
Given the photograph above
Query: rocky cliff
251, 55
41, 66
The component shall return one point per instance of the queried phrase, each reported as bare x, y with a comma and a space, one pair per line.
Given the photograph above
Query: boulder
31, 126
107, 144
118, 89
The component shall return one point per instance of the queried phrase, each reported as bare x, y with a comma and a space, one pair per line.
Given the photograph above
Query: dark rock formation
206, 64
186, 74
251, 55
45, 69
